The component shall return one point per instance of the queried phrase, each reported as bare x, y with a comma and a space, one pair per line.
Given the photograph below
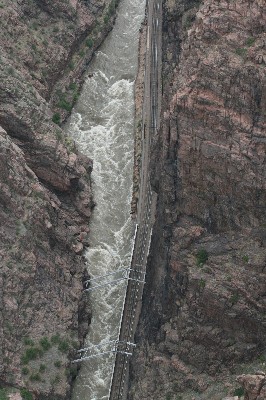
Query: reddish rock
45, 193
254, 386
204, 301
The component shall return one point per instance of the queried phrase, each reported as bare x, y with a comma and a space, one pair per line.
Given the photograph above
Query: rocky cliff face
45, 195
203, 318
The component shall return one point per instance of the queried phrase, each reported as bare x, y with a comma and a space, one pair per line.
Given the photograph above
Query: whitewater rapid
102, 123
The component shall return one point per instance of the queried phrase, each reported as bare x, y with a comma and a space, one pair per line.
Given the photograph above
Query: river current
102, 123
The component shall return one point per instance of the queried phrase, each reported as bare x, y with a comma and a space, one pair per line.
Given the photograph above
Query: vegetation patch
57, 364
28, 342
202, 283
262, 358
89, 43
36, 360
234, 298
63, 103
31, 354
25, 394
35, 377
239, 392
111, 10
71, 65
241, 51
56, 118
63, 346
44, 342
55, 339
201, 257
3, 394
42, 368
73, 86
250, 41
245, 258
188, 20
25, 370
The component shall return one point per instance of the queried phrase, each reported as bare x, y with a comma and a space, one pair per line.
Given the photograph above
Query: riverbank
139, 100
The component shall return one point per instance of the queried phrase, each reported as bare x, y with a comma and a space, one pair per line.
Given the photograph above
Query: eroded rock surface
45, 194
203, 318
254, 386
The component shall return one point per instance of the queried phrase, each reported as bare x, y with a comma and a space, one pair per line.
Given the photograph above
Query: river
102, 123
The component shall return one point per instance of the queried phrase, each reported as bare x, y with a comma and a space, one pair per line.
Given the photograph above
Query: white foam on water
102, 125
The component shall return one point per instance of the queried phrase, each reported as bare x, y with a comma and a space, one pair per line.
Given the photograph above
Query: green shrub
34, 25
188, 20
245, 258
234, 298
42, 368
241, 52
56, 118
202, 283
25, 371
35, 377
239, 392
25, 394
3, 394
63, 346
111, 9
63, 103
262, 358
28, 342
71, 65
201, 257
250, 41
73, 86
89, 43
75, 98
11, 71
57, 364
31, 354
55, 339
44, 342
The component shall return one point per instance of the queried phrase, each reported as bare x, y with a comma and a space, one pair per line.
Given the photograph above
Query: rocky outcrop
41, 274
45, 194
203, 318
254, 386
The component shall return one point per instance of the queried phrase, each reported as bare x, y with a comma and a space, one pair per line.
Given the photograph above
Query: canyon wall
45, 193
203, 317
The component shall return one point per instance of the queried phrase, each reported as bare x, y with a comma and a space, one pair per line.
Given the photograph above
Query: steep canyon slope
203, 320
45, 193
